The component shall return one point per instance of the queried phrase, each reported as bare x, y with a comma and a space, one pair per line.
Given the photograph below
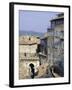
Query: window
25, 54
29, 38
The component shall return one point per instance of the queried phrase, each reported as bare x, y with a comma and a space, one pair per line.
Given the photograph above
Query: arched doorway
32, 70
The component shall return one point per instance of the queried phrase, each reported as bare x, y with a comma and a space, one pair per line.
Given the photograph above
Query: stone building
27, 53
43, 50
52, 43
57, 24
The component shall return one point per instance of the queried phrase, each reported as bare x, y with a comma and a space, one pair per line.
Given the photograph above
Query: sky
37, 21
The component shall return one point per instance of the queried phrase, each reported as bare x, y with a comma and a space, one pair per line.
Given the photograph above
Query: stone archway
31, 65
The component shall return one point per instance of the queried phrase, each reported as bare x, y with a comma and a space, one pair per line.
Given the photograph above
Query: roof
23, 40
59, 16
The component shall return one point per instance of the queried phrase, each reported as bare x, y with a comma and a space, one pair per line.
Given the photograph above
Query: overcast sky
37, 21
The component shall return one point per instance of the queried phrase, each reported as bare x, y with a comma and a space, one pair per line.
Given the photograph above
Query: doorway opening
32, 70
